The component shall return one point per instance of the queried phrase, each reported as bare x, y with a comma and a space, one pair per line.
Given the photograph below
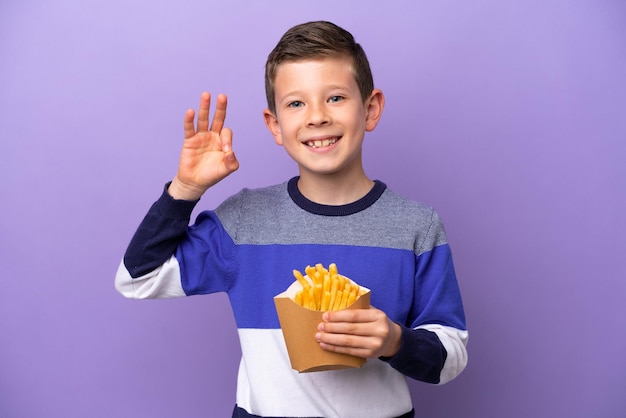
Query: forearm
421, 355
434, 355
158, 235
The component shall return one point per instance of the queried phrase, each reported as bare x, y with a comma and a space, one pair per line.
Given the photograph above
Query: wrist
181, 191
395, 340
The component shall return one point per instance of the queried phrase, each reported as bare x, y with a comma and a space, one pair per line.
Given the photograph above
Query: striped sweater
248, 248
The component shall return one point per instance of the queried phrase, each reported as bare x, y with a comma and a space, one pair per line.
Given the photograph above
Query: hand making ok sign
206, 157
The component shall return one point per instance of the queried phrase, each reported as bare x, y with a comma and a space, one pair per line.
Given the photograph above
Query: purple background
508, 117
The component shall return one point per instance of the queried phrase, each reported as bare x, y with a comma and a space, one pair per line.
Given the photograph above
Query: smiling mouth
319, 143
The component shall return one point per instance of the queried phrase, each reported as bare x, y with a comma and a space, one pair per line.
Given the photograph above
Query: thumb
226, 139
230, 161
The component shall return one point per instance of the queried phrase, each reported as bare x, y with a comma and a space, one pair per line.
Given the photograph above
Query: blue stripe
206, 257
266, 270
438, 299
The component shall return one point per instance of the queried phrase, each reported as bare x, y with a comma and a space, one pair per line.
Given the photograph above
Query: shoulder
396, 200
402, 208
418, 220
251, 206
254, 197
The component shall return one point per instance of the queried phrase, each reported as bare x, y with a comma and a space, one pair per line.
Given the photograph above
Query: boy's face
320, 117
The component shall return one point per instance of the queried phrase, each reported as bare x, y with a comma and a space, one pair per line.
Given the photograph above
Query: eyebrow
332, 87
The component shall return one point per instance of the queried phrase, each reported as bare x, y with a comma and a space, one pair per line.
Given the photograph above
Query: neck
331, 190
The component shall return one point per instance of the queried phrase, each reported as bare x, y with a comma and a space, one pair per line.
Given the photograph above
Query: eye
295, 104
335, 99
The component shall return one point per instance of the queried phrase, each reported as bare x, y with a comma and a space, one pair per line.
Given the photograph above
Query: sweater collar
331, 210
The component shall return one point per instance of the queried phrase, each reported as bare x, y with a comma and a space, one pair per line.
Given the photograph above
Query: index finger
348, 315
220, 114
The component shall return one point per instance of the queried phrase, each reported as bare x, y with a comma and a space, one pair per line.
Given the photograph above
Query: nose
317, 115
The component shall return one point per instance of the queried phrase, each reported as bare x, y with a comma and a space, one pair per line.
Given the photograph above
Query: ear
271, 121
374, 109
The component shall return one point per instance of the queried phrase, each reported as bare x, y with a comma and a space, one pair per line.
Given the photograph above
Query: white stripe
268, 386
164, 282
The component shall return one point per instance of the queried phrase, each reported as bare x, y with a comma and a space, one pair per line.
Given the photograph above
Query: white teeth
321, 143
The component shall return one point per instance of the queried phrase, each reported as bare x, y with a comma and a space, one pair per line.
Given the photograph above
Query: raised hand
207, 156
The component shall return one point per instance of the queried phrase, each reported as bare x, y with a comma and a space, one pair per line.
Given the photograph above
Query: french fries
324, 289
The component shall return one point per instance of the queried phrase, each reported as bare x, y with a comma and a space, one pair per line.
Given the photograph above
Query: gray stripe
269, 216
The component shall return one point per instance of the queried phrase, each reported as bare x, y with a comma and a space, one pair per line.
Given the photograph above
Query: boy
321, 101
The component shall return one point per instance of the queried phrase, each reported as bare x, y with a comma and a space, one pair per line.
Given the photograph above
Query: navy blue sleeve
158, 235
421, 355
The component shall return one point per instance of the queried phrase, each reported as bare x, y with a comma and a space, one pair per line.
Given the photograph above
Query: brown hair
317, 40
